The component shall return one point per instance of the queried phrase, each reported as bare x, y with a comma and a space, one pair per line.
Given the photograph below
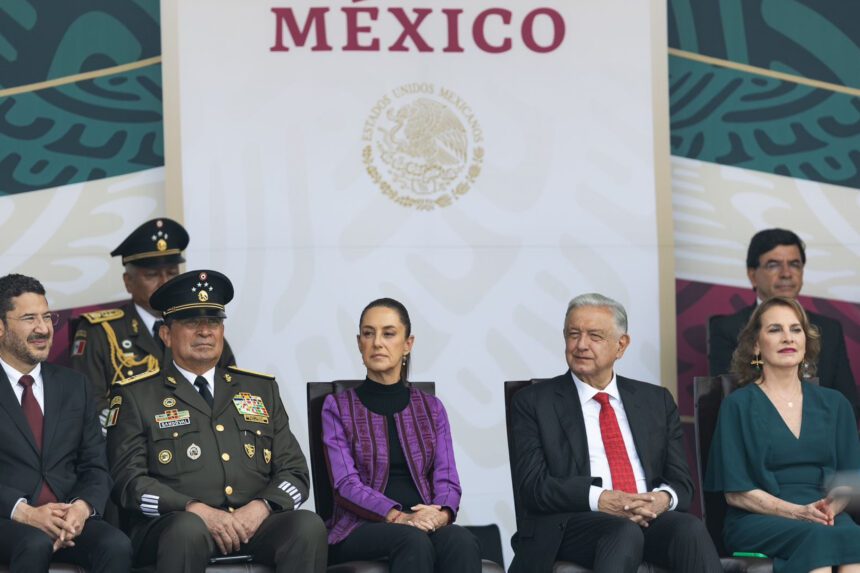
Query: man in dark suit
118, 344
54, 480
599, 465
203, 457
775, 263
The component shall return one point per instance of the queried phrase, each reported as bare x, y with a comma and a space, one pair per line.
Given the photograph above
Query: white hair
596, 299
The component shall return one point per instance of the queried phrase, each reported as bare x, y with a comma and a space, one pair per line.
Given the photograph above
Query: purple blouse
356, 448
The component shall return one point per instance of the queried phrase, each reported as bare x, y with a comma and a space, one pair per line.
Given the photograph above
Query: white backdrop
277, 195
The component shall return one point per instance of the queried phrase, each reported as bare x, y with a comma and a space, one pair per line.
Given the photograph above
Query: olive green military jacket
114, 345
166, 447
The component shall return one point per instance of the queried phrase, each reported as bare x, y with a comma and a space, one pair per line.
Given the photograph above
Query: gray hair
597, 299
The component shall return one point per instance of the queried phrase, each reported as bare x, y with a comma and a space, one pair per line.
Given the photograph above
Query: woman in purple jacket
391, 461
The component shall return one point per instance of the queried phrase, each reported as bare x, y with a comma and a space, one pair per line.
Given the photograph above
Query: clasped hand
63, 522
640, 508
230, 530
427, 518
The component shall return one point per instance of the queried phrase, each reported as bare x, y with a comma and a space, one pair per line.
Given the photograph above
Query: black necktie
203, 388
155, 328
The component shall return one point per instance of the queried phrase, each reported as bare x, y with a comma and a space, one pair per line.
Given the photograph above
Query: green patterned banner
80, 91
746, 120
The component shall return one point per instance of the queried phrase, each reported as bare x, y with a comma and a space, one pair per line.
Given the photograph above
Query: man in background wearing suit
599, 463
54, 480
775, 263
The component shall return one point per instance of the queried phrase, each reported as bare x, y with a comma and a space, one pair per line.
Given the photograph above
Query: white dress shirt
596, 451
191, 377
38, 386
38, 392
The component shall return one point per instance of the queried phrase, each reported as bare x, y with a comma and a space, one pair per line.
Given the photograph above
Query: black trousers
100, 548
610, 544
179, 542
410, 550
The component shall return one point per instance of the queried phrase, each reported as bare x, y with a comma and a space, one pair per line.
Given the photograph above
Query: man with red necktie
54, 480
599, 461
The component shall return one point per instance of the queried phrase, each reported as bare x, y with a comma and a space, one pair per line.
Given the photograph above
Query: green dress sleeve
739, 448
847, 443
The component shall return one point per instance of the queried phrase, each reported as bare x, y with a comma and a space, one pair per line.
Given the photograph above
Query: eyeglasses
777, 266
197, 322
34, 319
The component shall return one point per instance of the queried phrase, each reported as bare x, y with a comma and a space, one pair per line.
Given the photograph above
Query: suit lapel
569, 411
142, 338
54, 402
185, 390
225, 388
637, 419
9, 402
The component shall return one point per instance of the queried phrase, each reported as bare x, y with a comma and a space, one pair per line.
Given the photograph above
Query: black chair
511, 388
324, 499
708, 395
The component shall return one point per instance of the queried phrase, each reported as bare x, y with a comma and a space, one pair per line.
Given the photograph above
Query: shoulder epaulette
103, 315
137, 378
250, 372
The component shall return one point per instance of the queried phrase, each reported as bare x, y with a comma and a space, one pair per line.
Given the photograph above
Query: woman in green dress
778, 444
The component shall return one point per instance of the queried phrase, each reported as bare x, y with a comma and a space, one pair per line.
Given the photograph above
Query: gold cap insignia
267, 455
165, 456
161, 245
249, 449
202, 296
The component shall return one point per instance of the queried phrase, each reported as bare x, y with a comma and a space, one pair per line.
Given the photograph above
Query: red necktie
33, 413
613, 443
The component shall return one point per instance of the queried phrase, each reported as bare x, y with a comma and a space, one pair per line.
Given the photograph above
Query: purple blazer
356, 449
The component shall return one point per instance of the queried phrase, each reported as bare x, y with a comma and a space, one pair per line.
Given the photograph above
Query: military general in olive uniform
118, 344
202, 457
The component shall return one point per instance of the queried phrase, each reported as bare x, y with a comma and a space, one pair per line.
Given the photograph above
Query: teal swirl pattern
734, 118
90, 129
725, 116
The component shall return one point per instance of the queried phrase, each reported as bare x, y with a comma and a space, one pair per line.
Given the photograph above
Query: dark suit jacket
834, 371
552, 471
72, 459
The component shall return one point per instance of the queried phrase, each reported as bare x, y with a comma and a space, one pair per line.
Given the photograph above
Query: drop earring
756, 361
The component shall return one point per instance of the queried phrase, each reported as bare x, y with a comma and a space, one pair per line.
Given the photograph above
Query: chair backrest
317, 392
708, 395
511, 388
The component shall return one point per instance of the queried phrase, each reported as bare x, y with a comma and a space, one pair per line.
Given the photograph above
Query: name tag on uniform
251, 407
173, 418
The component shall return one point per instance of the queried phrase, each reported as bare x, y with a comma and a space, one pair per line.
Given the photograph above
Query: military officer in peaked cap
202, 457
118, 344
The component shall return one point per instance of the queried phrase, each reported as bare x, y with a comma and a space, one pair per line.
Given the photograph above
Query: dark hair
403, 314
14, 285
768, 240
745, 351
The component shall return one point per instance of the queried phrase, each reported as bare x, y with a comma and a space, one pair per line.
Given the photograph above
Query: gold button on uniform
175, 434
225, 456
231, 509
220, 427
259, 433
228, 490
